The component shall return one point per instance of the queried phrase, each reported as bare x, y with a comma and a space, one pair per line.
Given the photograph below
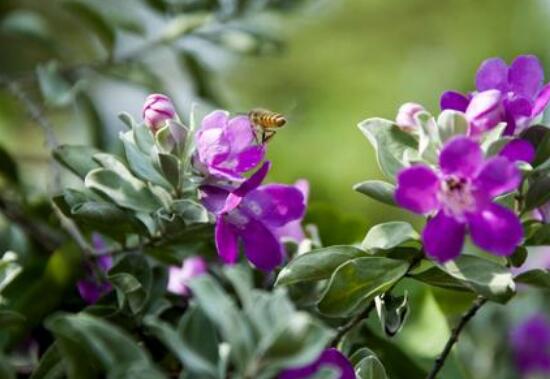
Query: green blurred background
326, 65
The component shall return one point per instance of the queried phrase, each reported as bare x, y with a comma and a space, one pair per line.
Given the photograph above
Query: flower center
456, 196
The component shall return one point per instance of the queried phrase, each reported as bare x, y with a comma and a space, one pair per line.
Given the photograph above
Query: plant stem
466, 317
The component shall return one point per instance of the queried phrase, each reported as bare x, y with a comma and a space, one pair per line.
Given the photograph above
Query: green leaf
171, 168
29, 24
8, 167
54, 88
104, 217
190, 211
125, 192
78, 159
6, 371
95, 20
538, 192
358, 281
85, 341
392, 312
187, 354
370, 368
317, 264
140, 163
518, 258
451, 123
132, 278
535, 278
9, 318
388, 235
378, 190
473, 273
390, 143
50, 365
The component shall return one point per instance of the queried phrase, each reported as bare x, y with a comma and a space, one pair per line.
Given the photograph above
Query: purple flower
458, 197
521, 84
226, 148
405, 118
179, 277
329, 358
293, 230
252, 213
518, 150
484, 112
531, 344
157, 109
91, 287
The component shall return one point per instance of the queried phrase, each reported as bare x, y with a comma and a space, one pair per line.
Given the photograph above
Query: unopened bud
157, 110
406, 116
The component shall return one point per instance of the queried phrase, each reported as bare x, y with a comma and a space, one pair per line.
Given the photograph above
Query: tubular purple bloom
252, 214
485, 111
157, 109
90, 287
405, 116
518, 150
530, 342
455, 101
459, 197
179, 277
329, 358
226, 148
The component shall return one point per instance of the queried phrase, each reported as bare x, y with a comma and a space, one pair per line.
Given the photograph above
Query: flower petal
331, 357
496, 229
461, 156
499, 175
213, 198
215, 119
518, 114
254, 181
261, 246
275, 204
518, 150
226, 241
526, 76
417, 188
454, 100
239, 132
249, 158
443, 237
485, 111
492, 74
542, 100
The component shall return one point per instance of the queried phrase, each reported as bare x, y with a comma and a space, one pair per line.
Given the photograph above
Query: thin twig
466, 317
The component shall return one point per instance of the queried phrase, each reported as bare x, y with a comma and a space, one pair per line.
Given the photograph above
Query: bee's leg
266, 136
255, 131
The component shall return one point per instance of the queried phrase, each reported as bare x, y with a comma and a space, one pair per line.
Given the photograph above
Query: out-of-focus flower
226, 148
157, 110
405, 118
293, 230
252, 213
179, 277
91, 287
530, 341
521, 84
329, 358
459, 197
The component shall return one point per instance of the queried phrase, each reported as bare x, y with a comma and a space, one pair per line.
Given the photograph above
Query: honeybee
266, 123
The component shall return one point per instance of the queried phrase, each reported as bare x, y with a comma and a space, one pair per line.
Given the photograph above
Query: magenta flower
252, 213
91, 288
179, 277
531, 344
293, 230
521, 84
518, 150
226, 148
405, 118
157, 109
459, 199
329, 358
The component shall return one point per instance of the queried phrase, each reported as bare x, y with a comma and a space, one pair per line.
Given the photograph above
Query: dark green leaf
378, 190
317, 264
389, 235
358, 281
538, 192
55, 90
50, 365
8, 167
132, 278
190, 211
536, 278
78, 159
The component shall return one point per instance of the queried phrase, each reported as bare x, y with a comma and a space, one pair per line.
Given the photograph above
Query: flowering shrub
165, 291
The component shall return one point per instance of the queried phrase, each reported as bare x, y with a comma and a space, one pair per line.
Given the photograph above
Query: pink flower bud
406, 116
179, 277
157, 110
485, 111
